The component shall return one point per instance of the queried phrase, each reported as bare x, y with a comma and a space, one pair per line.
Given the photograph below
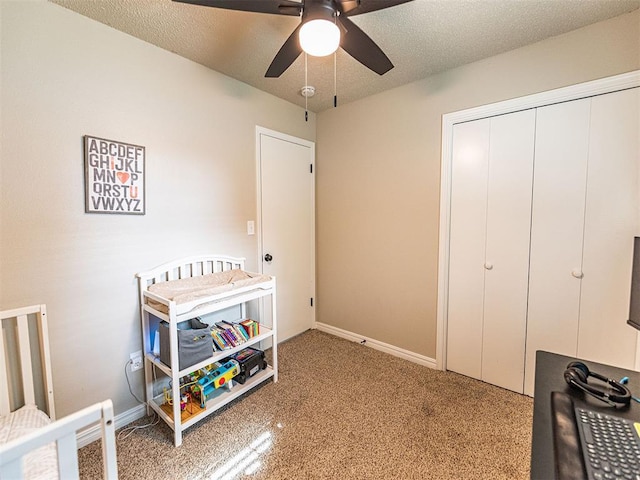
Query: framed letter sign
114, 177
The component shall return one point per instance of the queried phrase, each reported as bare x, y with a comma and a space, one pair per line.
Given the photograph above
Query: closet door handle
577, 273
488, 266
268, 258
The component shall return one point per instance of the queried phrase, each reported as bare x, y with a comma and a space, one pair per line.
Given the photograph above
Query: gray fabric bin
194, 345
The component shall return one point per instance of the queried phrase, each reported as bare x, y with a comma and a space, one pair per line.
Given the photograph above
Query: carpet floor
341, 410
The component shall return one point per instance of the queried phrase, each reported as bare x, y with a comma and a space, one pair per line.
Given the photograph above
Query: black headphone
614, 393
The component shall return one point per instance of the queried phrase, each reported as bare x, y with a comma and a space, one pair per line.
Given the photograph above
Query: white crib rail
63, 432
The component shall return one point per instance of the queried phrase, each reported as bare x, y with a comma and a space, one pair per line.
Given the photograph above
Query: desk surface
550, 369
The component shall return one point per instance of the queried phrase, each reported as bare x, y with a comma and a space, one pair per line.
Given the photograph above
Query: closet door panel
610, 225
557, 225
467, 247
507, 250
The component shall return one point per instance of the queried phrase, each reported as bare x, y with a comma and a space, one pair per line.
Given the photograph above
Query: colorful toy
217, 378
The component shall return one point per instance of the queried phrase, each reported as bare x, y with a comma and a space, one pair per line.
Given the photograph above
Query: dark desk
550, 368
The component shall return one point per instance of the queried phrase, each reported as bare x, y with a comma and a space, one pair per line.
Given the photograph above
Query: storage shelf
218, 399
174, 314
218, 354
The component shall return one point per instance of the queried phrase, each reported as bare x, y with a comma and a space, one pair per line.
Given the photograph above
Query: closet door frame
565, 94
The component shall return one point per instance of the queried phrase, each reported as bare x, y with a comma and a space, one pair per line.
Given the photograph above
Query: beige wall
378, 182
65, 76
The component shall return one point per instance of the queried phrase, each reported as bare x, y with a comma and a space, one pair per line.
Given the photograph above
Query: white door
557, 231
492, 173
469, 178
287, 225
611, 221
507, 255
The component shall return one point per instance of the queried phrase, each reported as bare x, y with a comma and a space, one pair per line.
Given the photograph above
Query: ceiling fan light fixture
319, 37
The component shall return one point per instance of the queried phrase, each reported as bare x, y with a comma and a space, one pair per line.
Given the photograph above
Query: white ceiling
422, 37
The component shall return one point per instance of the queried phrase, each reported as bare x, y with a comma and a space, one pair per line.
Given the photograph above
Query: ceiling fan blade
358, 44
278, 7
287, 54
357, 7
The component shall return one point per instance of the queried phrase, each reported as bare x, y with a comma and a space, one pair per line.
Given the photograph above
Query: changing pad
190, 289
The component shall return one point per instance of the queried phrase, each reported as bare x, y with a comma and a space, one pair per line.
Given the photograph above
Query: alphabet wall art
114, 177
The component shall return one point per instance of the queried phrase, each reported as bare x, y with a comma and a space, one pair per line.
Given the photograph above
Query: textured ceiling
422, 37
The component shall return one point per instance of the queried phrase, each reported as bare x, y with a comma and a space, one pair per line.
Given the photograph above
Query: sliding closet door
610, 224
469, 175
557, 226
507, 249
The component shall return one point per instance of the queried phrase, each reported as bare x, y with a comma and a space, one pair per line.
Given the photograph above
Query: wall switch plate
251, 227
136, 360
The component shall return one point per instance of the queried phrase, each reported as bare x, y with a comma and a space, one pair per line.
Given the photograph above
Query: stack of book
231, 334
219, 339
251, 327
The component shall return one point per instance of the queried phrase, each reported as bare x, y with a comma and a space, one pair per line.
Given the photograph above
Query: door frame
565, 94
258, 227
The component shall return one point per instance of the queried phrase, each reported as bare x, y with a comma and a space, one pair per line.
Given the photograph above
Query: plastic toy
217, 378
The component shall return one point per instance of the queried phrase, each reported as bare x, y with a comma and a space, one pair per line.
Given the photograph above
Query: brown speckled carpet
341, 410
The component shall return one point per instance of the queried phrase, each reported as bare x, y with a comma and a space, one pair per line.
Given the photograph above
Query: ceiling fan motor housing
319, 10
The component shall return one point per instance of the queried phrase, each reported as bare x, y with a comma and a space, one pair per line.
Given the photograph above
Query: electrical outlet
136, 360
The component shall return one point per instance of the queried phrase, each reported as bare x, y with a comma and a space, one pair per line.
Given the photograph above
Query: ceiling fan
330, 15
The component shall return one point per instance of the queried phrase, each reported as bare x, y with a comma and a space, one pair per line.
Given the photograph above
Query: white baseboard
383, 347
91, 434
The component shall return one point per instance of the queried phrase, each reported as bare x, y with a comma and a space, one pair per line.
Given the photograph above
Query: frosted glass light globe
319, 37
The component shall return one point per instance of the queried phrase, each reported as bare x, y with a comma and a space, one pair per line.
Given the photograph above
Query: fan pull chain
306, 97
335, 68
335, 79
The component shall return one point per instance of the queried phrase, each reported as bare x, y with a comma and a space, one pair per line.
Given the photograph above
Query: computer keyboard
610, 445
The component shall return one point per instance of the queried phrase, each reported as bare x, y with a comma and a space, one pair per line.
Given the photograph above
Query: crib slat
110, 464
68, 456
5, 407
43, 330
25, 360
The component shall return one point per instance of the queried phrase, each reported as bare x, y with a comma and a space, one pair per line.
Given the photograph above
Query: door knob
577, 273
488, 265
268, 258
